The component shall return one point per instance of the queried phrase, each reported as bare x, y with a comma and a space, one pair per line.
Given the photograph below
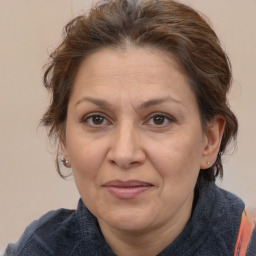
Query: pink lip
127, 189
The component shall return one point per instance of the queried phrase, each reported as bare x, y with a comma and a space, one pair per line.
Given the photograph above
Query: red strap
244, 234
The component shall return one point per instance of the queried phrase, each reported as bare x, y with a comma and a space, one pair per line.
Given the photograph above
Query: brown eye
98, 120
159, 120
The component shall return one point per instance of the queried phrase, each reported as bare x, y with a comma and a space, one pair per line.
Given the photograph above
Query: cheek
178, 159
179, 172
86, 160
86, 156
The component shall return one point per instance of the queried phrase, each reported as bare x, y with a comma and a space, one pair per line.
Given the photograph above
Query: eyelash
166, 117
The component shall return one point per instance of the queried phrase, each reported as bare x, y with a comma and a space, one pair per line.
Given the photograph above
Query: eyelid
169, 117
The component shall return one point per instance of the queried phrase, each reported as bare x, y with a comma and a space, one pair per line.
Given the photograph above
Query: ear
214, 134
63, 146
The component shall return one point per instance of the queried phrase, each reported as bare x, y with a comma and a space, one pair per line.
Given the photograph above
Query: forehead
132, 61
141, 71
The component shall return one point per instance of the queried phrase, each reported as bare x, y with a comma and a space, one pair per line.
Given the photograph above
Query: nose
126, 150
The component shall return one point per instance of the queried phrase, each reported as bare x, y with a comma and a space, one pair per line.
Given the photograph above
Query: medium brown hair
164, 24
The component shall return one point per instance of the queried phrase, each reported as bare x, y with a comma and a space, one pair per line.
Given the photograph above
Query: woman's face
134, 139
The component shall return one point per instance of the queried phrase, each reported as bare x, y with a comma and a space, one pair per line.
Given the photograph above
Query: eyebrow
98, 102
158, 101
144, 105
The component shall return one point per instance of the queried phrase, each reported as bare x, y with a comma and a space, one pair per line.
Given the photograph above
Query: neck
150, 241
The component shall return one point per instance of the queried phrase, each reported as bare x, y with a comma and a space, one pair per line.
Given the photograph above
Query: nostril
125, 163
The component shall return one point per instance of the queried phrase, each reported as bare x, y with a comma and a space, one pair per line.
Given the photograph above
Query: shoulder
228, 212
228, 197
228, 206
221, 211
55, 226
240, 222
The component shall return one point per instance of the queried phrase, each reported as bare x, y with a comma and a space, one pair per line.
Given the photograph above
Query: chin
129, 220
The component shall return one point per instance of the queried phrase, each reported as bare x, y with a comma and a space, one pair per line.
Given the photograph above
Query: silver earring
208, 163
64, 161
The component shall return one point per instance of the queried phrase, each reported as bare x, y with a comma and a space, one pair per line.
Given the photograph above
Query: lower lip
127, 193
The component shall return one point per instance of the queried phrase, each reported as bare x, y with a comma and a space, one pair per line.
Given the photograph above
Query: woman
140, 114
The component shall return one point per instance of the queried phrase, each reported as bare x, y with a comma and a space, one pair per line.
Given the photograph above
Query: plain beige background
29, 30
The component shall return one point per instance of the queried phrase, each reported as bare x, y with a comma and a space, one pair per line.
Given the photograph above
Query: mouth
127, 189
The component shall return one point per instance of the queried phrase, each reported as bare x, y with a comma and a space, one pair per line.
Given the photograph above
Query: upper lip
127, 184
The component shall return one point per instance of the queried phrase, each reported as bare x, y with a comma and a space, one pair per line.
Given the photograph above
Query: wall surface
29, 30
